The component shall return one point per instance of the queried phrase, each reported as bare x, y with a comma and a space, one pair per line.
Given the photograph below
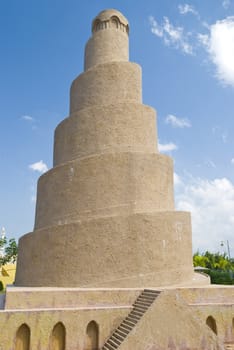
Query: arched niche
115, 22
127, 29
92, 336
58, 337
210, 321
22, 340
96, 25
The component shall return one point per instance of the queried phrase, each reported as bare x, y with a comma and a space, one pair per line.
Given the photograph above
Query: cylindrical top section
109, 42
110, 15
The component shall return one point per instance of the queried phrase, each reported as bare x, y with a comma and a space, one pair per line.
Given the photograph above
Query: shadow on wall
210, 321
91, 339
58, 337
22, 340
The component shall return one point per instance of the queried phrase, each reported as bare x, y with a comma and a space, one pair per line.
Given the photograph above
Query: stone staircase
140, 306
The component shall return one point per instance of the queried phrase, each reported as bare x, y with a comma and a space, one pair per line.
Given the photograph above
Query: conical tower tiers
105, 212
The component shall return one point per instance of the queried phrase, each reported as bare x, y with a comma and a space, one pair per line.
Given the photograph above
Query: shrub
1, 286
221, 277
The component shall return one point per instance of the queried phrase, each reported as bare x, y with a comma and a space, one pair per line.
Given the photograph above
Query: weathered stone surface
118, 251
112, 128
109, 83
104, 184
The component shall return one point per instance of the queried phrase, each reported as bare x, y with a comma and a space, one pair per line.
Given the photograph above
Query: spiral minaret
105, 213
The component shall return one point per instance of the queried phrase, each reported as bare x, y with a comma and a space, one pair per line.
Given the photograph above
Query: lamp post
228, 248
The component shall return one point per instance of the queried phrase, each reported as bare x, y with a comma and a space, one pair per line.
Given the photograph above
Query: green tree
3, 242
11, 251
220, 267
213, 261
200, 260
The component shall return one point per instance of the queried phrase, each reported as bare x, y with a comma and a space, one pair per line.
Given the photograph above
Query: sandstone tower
109, 264
105, 212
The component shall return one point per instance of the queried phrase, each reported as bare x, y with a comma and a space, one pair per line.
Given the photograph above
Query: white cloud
226, 4
218, 41
210, 164
220, 133
155, 27
33, 199
215, 129
220, 46
232, 161
222, 49
167, 147
27, 118
224, 137
177, 180
40, 166
186, 8
211, 203
171, 35
177, 122
204, 40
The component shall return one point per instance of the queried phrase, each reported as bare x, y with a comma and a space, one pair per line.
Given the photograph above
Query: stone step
130, 323
118, 337
121, 334
109, 346
137, 313
142, 303
135, 317
145, 299
152, 291
148, 302
123, 329
148, 296
113, 342
140, 308
133, 320
124, 324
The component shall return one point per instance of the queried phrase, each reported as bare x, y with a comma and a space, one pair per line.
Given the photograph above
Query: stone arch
22, 340
96, 25
92, 336
127, 28
58, 337
115, 22
210, 321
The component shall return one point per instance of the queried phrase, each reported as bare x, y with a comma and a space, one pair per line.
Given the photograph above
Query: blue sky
186, 50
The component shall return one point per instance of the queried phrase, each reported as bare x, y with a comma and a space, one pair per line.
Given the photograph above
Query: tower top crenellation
110, 19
